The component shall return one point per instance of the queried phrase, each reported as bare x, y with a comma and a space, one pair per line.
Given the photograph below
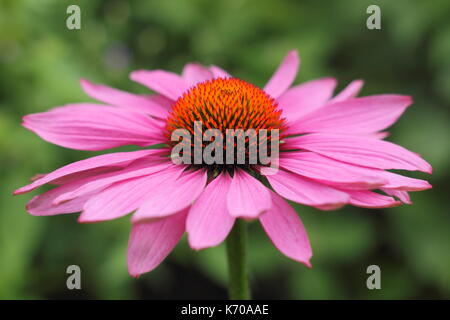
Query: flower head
331, 153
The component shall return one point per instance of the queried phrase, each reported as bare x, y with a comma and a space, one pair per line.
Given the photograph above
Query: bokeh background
41, 62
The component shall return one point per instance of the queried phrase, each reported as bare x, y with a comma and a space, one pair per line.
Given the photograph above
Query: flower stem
237, 262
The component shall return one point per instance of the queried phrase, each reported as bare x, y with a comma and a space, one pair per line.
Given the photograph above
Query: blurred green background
41, 62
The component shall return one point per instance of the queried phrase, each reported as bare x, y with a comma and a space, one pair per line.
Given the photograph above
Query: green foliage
41, 63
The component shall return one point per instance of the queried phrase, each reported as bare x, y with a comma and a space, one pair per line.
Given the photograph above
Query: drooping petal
95, 172
284, 76
42, 205
370, 199
105, 160
137, 169
347, 176
403, 196
94, 127
247, 197
402, 183
305, 191
351, 91
123, 197
219, 72
357, 115
209, 222
166, 83
176, 195
362, 151
329, 171
286, 230
305, 98
194, 73
123, 99
151, 242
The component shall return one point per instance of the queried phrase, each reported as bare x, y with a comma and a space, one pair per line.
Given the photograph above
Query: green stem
237, 262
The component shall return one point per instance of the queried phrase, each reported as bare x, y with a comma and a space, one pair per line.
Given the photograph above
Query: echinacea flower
332, 154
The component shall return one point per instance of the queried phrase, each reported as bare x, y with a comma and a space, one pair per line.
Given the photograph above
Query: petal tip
196, 245
83, 218
409, 99
135, 75
84, 81
21, 190
199, 243
293, 53
86, 85
134, 274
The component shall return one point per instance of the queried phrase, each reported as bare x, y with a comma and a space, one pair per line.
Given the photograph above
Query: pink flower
333, 153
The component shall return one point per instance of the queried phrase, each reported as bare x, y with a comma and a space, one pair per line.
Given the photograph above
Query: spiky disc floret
226, 104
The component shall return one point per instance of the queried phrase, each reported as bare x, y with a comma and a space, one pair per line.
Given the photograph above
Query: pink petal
369, 199
402, 183
87, 173
305, 98
137, 169
305, 191
219, 72
166, 83
163, 101
373, 135
284, 76
376, 135
123, 99
123, 197
194, 73
356, 115
347, 176
42, 205
173, 196
208, 222
79, 167
247, 197
329, 171
286, 230
402, 195
94, 127
361, 151
350, 91
151, 242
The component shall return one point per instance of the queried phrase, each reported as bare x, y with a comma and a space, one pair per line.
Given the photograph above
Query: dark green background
40, 66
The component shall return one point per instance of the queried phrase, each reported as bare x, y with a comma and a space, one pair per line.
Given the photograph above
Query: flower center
224, 104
